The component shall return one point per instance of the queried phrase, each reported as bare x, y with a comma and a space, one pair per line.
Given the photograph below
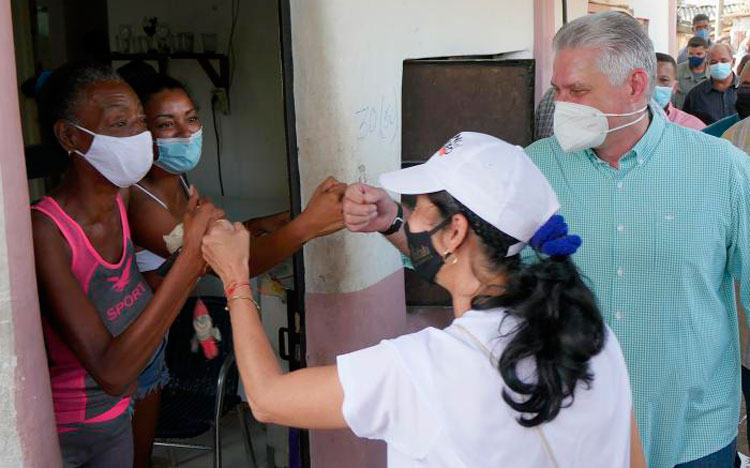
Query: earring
448, 254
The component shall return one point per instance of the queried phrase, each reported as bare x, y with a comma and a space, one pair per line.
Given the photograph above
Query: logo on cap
452, 144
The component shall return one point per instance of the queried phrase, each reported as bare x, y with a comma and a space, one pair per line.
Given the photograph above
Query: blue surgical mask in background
702, 33
662, 95
179, 155
720, 71
696, 62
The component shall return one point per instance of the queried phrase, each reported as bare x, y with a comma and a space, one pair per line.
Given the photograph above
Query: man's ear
639, 81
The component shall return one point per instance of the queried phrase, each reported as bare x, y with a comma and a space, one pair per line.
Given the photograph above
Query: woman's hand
323, 214
368, 209
226, 248
199, 215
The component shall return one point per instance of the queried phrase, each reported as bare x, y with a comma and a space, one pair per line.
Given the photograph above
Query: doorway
235, 60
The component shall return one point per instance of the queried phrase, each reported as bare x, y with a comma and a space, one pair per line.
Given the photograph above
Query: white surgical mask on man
121, 160
578, 127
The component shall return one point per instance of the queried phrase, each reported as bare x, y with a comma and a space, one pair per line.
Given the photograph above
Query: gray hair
61, 93
621, 39
727, 47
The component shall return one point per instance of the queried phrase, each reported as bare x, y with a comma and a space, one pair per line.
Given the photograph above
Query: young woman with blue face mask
101, 322
159, 200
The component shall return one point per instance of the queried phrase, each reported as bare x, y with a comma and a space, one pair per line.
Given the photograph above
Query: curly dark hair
559, 323
146, 82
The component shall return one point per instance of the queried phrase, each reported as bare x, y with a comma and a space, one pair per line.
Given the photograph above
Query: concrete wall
27, 431
253, 149
659, 15
348, 58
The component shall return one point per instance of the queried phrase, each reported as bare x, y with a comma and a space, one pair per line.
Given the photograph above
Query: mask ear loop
627, 124
447, 252
628, 114
70, 152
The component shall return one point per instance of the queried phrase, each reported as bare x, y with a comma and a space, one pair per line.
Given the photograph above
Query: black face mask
425, 259
743, 101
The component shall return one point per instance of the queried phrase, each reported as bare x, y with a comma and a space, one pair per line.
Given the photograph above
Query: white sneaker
744, 459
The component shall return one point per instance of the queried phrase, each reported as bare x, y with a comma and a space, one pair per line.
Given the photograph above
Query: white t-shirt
436, 399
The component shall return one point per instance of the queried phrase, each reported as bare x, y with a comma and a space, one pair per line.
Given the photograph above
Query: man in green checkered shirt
664, 213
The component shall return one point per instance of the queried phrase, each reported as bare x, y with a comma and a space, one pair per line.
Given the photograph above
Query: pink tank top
119, 293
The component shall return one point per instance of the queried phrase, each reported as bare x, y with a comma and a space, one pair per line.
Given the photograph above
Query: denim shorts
156, 375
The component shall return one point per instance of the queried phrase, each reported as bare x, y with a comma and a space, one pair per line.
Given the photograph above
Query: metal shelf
219, 79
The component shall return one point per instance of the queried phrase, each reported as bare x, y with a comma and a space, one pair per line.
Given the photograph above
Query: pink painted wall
673, 28
35, 418
341, 323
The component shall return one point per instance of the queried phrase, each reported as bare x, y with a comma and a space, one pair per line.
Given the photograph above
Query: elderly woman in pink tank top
101, 321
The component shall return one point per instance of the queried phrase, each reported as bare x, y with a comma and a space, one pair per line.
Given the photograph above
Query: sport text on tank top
119, 293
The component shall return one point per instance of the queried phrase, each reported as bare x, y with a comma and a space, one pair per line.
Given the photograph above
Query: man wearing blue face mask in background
714, 99
665, 212
666, 83
702, 29
691, 72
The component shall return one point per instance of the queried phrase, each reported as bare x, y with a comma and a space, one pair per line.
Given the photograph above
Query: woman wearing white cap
527, 375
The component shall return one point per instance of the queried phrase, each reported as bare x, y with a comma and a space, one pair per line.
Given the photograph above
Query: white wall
658, 14
577, 8
348, 58
253, 154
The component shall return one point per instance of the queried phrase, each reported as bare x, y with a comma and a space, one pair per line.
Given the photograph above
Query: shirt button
619, 185
640, 161
619, 315
620, 228
620, 272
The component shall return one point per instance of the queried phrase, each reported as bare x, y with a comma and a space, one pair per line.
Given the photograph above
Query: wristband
397, 223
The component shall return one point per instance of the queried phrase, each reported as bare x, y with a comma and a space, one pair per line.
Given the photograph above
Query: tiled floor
233, 448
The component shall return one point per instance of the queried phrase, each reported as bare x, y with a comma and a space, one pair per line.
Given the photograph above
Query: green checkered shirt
663, 237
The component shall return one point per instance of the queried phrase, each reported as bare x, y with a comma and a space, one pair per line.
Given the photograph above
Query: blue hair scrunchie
552, 238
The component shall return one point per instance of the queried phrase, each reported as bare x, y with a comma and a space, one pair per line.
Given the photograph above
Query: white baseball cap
492, 178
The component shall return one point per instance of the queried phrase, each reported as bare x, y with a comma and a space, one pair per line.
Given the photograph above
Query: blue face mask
702, 33
696, 62
720, 71
179, 155
662, 95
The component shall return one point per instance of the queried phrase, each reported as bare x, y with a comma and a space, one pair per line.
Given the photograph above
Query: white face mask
121, 160
578, 127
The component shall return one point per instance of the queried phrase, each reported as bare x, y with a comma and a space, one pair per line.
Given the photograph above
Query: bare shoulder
49, 242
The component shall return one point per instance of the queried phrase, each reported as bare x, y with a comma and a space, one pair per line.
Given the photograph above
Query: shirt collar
735, 83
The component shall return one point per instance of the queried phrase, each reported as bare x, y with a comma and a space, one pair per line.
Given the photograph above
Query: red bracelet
233, 287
